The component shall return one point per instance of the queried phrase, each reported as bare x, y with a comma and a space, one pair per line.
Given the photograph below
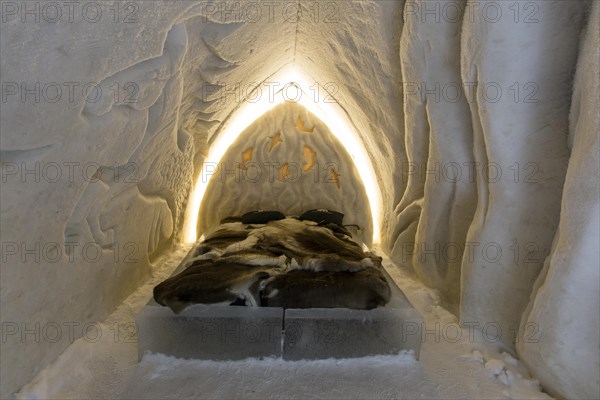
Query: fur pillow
323, 217
261, 217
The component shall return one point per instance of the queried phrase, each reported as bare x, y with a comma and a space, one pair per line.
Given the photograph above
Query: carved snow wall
494, 121
104, 125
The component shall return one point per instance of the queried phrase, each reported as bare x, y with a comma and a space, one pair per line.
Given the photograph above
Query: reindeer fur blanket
285, 263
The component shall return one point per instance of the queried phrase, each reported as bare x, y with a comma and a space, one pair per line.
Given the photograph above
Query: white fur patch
366, 262
245, 244
210, 255
259, 260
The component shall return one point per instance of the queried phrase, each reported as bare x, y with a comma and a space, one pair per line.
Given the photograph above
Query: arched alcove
286, 160
290, 85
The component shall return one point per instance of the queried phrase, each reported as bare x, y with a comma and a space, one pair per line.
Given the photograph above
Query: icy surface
211, 332
343, 333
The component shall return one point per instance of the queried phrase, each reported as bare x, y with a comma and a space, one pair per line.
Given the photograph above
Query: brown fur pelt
206, 283
360, 290
284, 262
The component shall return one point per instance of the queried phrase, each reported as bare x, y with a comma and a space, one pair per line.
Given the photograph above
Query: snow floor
449, 368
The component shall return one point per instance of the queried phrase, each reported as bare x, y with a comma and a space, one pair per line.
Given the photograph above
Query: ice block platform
236, 332
211, 332
320, 333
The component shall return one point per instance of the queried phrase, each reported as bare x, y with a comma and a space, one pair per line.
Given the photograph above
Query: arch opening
292, 86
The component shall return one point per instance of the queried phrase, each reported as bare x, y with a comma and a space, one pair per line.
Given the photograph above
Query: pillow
261, 217
323, 217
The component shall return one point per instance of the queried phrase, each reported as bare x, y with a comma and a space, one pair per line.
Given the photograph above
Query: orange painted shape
302, 128
275, 140
309, 157
284, 172
335, 177
246, 156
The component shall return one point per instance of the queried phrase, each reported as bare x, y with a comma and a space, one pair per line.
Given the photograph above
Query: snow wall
479, 118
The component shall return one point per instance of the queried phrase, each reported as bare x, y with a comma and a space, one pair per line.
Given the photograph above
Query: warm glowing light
288, 85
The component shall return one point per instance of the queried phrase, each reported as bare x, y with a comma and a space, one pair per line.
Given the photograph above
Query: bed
268, 285
265, 259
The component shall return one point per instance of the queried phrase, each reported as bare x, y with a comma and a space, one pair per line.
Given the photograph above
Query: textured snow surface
566, 297
289, 161
132, 158
532, 141
447, 369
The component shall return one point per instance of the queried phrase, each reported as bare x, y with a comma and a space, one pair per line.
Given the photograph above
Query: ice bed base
236, 332
320, 333
211, 332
